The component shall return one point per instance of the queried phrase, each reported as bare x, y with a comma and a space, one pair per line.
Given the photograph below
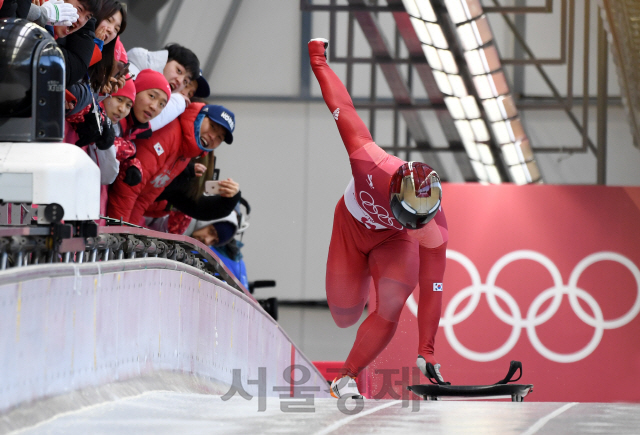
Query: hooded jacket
163, 157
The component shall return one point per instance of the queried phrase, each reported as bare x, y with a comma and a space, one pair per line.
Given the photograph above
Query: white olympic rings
369, 205
533, 319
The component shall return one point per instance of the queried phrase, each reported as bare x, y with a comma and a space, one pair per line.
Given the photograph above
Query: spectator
166, 153
86, 10
76, 41
152, 94
185, 193
112, 22
217, 232
54, 12
198, 88
230, 252
116, 107
178, 64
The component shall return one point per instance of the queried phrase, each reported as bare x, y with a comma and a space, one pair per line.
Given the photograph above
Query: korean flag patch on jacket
158, 148
437, 286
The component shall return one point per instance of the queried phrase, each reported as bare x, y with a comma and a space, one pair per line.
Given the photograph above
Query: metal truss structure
365, 14
402, 63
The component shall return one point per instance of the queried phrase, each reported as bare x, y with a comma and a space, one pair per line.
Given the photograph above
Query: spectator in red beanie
179, 65
152, 93
116, 107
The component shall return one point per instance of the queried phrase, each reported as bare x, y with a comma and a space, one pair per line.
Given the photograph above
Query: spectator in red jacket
163, 156
152, 94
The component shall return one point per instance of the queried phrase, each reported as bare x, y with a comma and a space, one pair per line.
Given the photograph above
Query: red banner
547, 275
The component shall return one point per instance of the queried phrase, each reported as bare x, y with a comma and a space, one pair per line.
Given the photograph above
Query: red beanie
119, 52
129, 91
150, 79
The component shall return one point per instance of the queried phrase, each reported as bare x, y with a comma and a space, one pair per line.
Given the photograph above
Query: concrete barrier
71, 327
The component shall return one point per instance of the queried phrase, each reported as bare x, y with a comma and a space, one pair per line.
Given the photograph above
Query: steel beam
399, 90
603, 53
545, 77
306, 5
174, 9
221, 37
305, 70
564, 22
547, 8
425, 74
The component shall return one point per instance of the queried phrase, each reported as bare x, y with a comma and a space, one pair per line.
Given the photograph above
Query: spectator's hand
101, 33
88, 130
68, 105
120, 82
108, 135
106, 89
229, 188
59, 13
186, 99
133, 176
199, 169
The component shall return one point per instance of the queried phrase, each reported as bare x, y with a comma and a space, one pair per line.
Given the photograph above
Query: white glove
59, 13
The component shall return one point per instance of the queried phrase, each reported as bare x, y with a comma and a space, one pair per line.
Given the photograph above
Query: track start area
166, 412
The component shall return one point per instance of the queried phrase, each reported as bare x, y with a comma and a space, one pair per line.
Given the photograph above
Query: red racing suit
163, 157
367, 243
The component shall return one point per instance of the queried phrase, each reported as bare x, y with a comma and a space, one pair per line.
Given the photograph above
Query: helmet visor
416, 194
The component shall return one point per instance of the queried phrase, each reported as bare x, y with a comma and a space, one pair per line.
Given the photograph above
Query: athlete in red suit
368, 242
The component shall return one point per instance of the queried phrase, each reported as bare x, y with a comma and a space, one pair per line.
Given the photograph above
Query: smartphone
123, 71
212, 187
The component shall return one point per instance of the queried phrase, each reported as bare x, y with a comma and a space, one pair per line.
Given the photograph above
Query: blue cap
222, 116
203, 90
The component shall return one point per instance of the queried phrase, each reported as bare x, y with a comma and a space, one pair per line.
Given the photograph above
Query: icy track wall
66, 327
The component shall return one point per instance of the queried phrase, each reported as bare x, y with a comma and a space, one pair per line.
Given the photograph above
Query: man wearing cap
163, 156
198, 88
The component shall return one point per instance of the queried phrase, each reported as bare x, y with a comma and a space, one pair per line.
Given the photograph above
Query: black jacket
77, 49
205, 208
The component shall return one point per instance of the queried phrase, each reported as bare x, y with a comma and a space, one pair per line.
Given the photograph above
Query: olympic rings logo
533, 319
370, 207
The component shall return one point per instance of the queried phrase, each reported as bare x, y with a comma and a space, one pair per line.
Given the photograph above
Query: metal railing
37, 245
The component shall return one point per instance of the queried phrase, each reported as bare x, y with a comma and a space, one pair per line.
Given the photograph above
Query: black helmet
415, 194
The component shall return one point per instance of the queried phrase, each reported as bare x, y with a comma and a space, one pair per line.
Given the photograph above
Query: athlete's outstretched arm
353, 130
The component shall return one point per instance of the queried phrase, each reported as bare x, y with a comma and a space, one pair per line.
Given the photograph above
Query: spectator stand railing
29, 245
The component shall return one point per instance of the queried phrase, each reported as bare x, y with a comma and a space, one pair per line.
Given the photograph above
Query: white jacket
140, 59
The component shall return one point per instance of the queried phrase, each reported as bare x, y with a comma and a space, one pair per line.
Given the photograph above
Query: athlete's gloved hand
59, 13
133, 176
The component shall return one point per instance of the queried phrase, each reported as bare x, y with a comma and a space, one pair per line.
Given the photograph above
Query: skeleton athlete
389, 226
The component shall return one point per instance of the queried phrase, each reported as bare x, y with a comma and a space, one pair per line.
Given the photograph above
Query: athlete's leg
352, 129
348, 277
432, 266
394, 265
